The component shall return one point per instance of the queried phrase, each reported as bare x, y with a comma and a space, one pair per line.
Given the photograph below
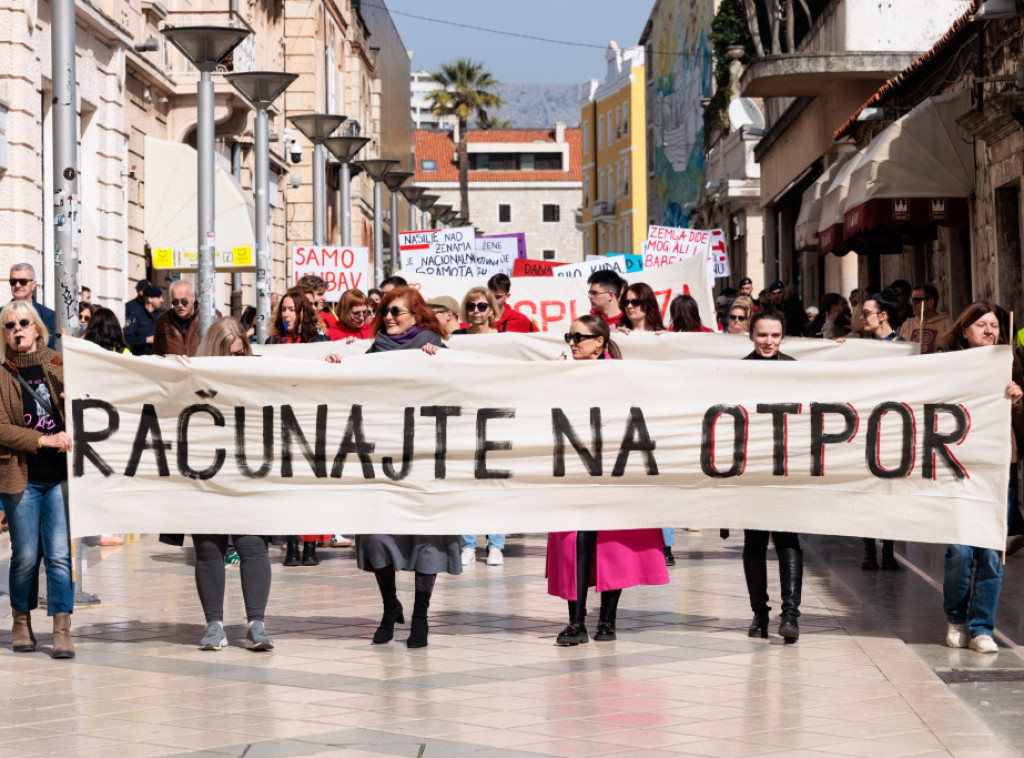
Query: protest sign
343, 268
439, 252
718, 256
269, 446
513, 241
496, 255
633, 262
586, 268
526, 267
667, 244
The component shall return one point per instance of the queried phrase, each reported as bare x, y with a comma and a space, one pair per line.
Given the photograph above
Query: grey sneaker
214, 639
257, 638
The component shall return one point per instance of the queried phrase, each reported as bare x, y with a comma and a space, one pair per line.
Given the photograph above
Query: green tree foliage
729, 27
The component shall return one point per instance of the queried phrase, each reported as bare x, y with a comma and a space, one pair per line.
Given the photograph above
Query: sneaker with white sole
339, 540
495, 557
984, 644
214, 639
468, 556
257, 638
956, 635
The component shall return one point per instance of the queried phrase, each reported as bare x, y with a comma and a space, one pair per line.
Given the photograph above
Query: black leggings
254, 569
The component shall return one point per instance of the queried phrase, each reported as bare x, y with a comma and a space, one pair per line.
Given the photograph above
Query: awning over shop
830, 225
171, 202
916, 174
806, 229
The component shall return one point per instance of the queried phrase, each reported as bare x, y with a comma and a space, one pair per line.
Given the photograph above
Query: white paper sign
343, 268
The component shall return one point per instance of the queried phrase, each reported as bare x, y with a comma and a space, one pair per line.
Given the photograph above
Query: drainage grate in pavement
964, 676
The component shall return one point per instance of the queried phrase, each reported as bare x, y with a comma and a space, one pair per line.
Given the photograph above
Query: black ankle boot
418, 628
291, 555
576, 632
393, 612
791, 577
889, 562
309, 554
606, 622
870, 562
759, 626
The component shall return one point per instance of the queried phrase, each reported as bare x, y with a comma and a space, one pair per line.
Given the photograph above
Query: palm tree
462, 88
485, 120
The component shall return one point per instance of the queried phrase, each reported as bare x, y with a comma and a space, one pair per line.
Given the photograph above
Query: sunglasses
182, 301
439, 311
23, 323
361, 314
84, 320
21, 282
737, 318
635, 302
394, 310
239, 352
481, 307
595, 293
578, 337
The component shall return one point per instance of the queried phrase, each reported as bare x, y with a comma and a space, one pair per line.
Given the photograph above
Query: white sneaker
984, 644
468, 556
956, 635
495, 557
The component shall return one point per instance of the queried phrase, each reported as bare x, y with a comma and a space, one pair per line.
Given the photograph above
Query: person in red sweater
605, 290
509, 319
354, 317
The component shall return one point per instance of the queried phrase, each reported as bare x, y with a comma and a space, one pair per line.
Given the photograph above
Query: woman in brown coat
33, 477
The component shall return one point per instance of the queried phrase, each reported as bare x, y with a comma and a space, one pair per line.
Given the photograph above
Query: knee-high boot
606, 622
392, 608
870, 562
756, 572
791, 577
419, 628
889, 562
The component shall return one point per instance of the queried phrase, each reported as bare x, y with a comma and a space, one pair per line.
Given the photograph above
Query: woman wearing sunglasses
354, 315
405, 322
607, 560
641, 309
738, 317
33, 477
479, 311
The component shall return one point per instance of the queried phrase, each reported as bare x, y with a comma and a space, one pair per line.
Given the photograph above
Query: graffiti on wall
681, 65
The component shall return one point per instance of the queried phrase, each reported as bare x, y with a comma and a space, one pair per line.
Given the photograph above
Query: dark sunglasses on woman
470, 307
578, 337
23, 323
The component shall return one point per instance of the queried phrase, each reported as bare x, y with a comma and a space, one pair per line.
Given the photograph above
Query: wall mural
682, 75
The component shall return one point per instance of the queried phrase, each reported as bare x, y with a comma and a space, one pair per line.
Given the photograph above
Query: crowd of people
34, 443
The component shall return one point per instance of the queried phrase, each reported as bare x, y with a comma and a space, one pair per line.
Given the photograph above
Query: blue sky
516, 60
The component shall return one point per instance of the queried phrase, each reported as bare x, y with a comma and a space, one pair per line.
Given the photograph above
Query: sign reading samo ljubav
387, 443
343, 268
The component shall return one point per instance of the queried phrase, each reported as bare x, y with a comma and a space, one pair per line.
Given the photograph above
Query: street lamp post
440, 211
376, 168
316, 127
260, 89
205, 47
424, 203
345, 149
412, 193
394, 180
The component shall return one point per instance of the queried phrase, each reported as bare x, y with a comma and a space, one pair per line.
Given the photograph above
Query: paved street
869, 676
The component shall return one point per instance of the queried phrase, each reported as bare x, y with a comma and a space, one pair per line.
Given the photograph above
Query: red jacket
513, 321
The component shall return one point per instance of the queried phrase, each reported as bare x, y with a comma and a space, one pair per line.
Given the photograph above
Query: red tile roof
920, 66
440, 147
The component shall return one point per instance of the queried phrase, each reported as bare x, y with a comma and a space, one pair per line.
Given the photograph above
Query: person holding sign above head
766, 330
479, 311
610, 560
641, 309
605, 287
509, 319
974, 575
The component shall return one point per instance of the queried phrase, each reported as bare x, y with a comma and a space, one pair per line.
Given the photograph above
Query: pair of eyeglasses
394, 310
595, 293
23, 323
21, 282
737, 318
481, 307
84, 320
182, 301
635, 302
362, 314
439, 311
866, 312
239, 352
578, 337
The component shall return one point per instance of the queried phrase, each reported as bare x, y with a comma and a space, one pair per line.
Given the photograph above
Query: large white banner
554, 303
907, 448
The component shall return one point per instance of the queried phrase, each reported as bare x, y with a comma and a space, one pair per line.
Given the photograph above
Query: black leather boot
756, 572
889, 562
418, 628
291, 555
606, 622
791, 577
392, 608
870, 562
576, 632
309, 554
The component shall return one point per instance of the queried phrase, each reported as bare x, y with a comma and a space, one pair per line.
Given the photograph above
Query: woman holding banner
766, 330
405, 322
609, 560
641, 308
974, 575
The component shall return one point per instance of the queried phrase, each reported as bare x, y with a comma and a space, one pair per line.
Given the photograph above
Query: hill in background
538, 106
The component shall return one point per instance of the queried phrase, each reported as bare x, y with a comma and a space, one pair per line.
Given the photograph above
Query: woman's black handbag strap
46, 406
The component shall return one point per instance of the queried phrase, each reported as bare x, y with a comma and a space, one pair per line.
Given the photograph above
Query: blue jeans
963, 605
38, 519
668, 534
493, 540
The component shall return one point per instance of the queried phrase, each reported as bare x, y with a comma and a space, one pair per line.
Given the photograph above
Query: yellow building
613, 215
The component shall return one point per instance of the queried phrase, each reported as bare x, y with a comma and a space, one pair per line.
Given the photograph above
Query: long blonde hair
221, 336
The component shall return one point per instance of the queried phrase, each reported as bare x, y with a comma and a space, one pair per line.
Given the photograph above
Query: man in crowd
925, 299
23, 287
85, 296
746, 286
796, 316
447, 311
315, 290
509, 319
140, 322
391, 282
177, 329
605, 289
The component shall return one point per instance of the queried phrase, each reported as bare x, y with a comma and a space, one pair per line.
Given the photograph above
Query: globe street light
260, 89
316, 127
395, 179
376, 168
205, 47
345, 149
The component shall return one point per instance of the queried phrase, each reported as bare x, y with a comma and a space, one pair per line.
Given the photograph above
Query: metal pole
319, 222
346, 205
378, 234
412, 217
236, 278
394, 227
263, 262
206, 279
65, 159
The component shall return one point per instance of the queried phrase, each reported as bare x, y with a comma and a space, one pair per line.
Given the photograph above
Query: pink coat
623, 558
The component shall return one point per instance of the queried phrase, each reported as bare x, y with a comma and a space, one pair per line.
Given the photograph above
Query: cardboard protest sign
219, 444
633, 262
515, 241
666, 244
442, 252
343, 268
586, 268
718, 256
496, 255
526, 267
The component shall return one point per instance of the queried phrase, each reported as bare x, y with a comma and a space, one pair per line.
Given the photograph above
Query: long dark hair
425, 318
105, 330
685, 314
600, 327
954, 339
304, 312
652, 312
